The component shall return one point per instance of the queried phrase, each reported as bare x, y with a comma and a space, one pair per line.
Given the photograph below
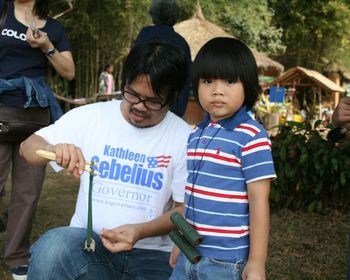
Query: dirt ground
303, 246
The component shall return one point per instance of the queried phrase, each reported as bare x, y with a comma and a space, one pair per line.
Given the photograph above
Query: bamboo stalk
52, 156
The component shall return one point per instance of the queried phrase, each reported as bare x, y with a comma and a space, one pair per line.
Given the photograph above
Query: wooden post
336, 99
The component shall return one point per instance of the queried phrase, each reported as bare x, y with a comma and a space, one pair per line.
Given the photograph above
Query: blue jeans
59, 255
207, 269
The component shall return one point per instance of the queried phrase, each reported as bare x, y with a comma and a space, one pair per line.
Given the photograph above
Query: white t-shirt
143, 170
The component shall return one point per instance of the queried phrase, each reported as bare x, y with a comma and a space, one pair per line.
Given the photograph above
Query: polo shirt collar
229, 123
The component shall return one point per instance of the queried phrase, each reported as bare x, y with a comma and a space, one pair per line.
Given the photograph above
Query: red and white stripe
252, 130
213, 156
256, 146
163, 161
216, 195
221, 231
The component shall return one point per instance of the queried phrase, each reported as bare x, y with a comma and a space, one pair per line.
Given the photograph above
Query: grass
303, 246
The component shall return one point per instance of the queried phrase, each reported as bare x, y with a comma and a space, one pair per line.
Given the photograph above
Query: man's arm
68, 156
30, 145
259, 223
123, 238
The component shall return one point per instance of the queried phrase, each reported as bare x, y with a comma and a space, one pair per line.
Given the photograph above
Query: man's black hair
164, 64
164, 12
227, 58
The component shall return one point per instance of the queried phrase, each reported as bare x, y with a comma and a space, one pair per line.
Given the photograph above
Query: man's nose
140, 106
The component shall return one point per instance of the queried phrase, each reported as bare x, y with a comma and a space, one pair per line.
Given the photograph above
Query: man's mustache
139, 113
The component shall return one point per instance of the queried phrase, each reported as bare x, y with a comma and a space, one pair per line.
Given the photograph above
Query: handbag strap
3, 15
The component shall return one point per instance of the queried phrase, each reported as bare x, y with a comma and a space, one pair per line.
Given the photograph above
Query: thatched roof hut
302, 77
197, 31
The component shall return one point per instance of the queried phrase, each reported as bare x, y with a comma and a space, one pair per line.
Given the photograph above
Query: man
165, 14
341, 116
140, 151
341, 119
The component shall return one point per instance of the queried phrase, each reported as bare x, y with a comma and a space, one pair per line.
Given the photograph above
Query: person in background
341, 119
165, 14
230, 167
106, 83
139, 148
341, 116
29, 40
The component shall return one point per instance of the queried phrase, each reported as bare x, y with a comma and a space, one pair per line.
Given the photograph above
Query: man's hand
121, 238
69, 157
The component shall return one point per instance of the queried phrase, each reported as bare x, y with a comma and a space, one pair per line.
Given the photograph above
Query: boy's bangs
215, 66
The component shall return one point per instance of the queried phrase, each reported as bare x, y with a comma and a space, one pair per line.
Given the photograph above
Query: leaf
342, 179
283, 153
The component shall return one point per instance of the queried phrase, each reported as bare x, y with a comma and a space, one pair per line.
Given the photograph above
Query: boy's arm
258, 199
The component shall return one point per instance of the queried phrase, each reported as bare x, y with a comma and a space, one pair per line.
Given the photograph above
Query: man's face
138, 114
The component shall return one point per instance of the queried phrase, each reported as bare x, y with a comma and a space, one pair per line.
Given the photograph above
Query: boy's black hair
164, 64
164, 12
227, 58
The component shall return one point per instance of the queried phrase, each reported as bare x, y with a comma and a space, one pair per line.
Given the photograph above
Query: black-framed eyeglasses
149, 104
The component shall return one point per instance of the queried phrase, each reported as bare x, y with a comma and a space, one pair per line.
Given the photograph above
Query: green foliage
312, 173
100, 32
250, 21
316, 32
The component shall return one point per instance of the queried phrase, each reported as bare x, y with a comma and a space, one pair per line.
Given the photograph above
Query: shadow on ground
303, 246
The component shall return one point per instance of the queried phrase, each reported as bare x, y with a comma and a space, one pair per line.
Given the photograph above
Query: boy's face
138, 114
220, 98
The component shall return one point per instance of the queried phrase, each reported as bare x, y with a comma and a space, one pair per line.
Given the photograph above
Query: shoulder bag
16, 123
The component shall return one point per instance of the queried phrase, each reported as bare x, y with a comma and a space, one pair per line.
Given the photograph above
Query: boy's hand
253, 271
173, 256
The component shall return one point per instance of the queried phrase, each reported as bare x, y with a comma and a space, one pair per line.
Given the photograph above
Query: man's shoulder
178, 123
95, 108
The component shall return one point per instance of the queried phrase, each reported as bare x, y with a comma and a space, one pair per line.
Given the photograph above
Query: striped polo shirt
222, 158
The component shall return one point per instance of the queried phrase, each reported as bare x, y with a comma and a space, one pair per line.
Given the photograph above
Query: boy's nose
217, 92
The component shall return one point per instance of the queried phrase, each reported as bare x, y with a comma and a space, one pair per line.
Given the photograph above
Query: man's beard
139, 114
